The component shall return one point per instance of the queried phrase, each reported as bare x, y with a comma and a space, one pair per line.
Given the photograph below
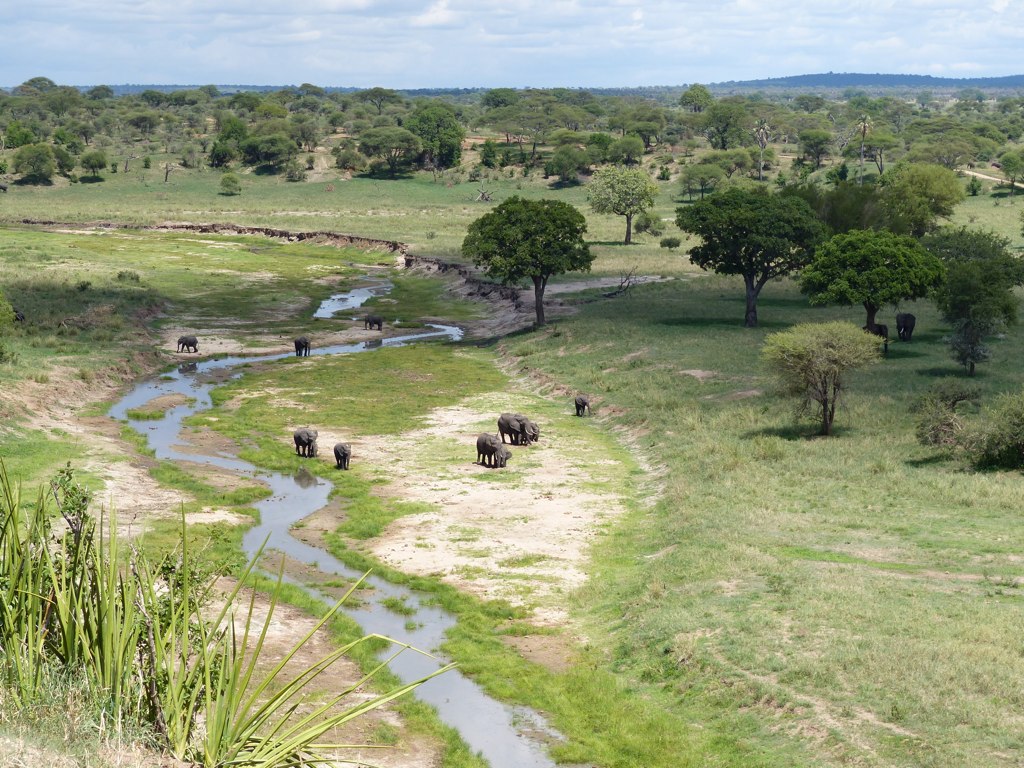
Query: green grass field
782, 600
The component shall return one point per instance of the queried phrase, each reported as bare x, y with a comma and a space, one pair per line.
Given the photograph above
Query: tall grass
139, 636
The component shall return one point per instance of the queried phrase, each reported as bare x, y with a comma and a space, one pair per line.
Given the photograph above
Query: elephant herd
491, 450
191, 343
306, 447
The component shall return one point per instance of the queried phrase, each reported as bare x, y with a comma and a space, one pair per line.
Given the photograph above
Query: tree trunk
760, 166
828, 415
970, 369
872, 310
861, 179
750, 319
539, 284
629, 229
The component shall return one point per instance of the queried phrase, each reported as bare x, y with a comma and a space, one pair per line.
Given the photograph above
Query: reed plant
147, 645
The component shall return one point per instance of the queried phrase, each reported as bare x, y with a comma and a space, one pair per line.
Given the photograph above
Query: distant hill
834, 80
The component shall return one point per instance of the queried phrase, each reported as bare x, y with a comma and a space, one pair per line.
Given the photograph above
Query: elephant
3, 187
532, 431
305, 442
188, 344
19, 316
302, 347
881, 330
342, 454
373, 321
582, 404
490, 452
513, 425
905, 323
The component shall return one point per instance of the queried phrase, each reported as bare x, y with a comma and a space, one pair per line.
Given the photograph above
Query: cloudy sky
469, 43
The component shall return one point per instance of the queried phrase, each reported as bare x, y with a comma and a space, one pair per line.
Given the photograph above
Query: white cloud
437, 15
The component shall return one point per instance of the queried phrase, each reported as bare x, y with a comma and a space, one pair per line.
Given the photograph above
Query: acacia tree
872, 268
623, 192
915, 195
397, 147
532, 239
811, 359
752, 233
439, 131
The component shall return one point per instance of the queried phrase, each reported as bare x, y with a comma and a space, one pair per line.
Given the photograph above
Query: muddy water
496, 731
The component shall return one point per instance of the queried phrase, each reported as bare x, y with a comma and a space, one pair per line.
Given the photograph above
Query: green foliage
35, 162
489, 154
439, 131
523, 239
974, 186
671, 243
998, 441
650, 223
916, 195
626, 150
696, 98
815, 145
622, 192
751, 233
725, 124
94, 161
702, 177
567, 163
872, 268
272, 150
812, 359
397, 147
230, 184
938, 423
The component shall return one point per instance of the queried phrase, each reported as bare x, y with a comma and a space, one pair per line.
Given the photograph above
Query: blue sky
471, 43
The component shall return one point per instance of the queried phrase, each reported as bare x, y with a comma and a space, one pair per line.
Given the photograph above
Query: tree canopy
916, 195
622, 192
811, 359
439, 132
529, 239
397, 147
872, 268
751, 233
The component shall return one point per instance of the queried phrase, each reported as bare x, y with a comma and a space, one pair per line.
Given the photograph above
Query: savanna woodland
741, 369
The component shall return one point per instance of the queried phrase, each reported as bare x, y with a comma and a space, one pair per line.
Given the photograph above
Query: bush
938, 423
670, 242
999, 442
646, 221
230, 185
128, 276
294, 172
350, 160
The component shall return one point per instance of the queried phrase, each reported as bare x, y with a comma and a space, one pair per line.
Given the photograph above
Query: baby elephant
490, 451
188, 344
342, 453
305, 442
302, 347
582, 404
373, 321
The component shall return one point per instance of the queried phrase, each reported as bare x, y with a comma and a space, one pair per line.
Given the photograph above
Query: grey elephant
305, 442
514, 426
19, 316
188, 344
882, 331
582, 405
905, 323
302, 347
532, 431
342, 454
490, 451
373, 321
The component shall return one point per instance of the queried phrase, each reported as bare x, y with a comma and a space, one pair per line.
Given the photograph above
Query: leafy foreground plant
136, 633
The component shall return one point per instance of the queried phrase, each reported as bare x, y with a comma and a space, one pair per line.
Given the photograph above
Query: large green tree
916, 195
696, 98
35, 162
379, 97
439, 131
622, 192
397, 147
725, 124
872, 268
811, 360
529, 239
751, 233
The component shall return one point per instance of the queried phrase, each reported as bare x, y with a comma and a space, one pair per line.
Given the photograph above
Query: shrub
670, 242
294, 172
646, 221
230, 185
938, 423
128, 276
999, 442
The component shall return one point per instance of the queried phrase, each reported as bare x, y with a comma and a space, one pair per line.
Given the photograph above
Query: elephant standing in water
342, 454
373, 321
490, 451
302, 347
188, 344
582, 404
305, 442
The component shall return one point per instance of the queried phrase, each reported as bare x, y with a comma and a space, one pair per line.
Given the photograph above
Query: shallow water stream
495, 730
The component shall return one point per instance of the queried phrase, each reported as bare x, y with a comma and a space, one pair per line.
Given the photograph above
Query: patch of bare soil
524, 541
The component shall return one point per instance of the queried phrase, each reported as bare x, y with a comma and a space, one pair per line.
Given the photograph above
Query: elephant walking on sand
305, 442
342, 454
302, 347
490, 451
188, 344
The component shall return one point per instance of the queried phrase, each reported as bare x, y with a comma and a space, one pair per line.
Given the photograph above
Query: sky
491, 43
